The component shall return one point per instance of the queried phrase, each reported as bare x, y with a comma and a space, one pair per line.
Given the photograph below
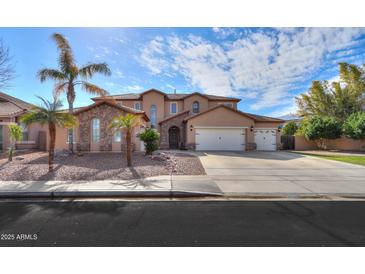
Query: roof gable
256, 118
153, 90
112, 104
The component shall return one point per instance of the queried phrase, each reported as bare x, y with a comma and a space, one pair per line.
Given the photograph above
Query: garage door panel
265, 139
220, 139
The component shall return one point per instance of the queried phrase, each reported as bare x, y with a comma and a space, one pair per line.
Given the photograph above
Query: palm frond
61, 42
52, 74
59, 88
90, 69
93, 89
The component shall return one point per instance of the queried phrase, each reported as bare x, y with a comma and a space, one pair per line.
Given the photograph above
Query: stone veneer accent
164, 130
106, 114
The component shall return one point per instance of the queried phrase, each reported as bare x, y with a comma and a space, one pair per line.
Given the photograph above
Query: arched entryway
174, 137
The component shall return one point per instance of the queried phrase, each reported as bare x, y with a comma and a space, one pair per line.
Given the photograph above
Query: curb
105, 194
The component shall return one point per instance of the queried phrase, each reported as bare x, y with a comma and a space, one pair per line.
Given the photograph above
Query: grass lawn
357, 160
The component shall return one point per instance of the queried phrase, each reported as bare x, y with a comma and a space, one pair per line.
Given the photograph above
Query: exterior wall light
251, 128
191, 127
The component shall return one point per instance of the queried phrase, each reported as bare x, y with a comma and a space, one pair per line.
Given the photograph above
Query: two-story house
201, 121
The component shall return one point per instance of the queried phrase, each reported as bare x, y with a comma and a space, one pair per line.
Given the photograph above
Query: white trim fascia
268, 128
177, 110
219, 127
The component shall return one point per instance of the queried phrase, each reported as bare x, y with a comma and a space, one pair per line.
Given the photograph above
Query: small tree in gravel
290, 128
320, 129
15, 134
150, 137
50, 114
354, 126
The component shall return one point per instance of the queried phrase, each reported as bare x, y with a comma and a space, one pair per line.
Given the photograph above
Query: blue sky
265, 67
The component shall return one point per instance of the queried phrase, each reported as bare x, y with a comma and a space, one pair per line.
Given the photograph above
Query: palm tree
49, 113
69, 75
127, 123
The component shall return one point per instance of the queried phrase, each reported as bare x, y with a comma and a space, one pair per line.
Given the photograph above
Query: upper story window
173, 108
137, 105
153, 115
228, 105
95, 130
196, 107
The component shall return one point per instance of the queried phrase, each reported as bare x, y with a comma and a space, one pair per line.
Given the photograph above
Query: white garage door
265, 139
220, 139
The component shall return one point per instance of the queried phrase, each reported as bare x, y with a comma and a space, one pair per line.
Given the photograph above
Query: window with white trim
153, 115
95, 130
173, 108
24, 131
117, 136
137, 105
196, 107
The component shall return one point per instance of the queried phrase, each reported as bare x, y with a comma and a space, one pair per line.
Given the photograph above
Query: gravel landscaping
97, 166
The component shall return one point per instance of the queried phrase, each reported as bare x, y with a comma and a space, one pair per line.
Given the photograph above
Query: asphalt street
183, 223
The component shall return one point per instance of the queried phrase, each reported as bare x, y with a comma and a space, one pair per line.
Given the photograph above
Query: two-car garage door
220, 139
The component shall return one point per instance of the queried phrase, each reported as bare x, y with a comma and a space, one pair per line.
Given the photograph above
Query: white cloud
263, 66
117, 73
133, 88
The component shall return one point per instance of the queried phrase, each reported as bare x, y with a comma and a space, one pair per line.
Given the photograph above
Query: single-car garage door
265, 139
220, 139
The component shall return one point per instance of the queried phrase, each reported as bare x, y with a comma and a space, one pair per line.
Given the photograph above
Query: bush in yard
15, 134
290, 129
150, 138
354, 126
320, 129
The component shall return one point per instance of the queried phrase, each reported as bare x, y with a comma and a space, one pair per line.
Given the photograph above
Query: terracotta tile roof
11, 106
169, 96
257, 118
173, 116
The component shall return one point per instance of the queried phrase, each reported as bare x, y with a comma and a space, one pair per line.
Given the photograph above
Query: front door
174, 137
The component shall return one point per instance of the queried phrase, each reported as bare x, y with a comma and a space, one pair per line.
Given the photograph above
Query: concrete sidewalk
160, 186
189, 186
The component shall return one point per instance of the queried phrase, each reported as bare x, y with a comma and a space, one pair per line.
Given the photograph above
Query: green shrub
290, 128
150, 137
354, 126
320, 129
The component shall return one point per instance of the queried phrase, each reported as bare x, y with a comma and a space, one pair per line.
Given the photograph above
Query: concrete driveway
282, 173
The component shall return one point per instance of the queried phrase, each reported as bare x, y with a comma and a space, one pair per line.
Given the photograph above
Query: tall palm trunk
52, 141
129, 148
70, 100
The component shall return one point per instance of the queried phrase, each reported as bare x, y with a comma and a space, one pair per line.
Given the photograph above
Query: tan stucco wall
154, 98
301, 143
220, 117
203, 102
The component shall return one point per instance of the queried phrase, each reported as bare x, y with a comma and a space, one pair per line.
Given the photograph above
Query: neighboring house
192, 121
11, 109
202, 122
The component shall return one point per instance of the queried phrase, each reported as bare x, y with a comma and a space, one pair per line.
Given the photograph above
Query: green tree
290, 128
354, 126
320, 129
339, 99
49, 113
69, 75
150, 138
127, 123
15, 134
